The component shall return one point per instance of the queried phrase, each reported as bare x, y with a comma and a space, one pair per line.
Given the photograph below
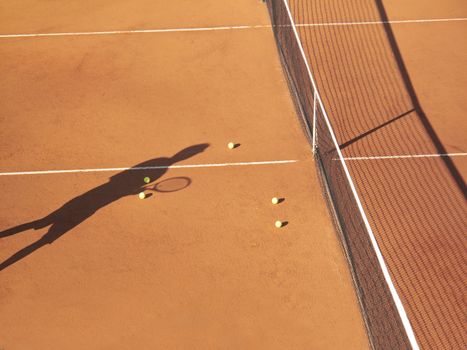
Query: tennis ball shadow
78, 209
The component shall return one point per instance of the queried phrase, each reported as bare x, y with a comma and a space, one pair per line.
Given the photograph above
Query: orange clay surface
435, 55
199, 268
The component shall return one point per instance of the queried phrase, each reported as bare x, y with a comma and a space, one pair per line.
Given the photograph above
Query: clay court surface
202, 267
199, 263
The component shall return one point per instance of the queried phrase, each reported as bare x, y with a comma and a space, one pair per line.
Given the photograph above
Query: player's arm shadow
78, 209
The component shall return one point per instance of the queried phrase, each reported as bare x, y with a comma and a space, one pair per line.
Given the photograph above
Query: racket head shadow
172, 184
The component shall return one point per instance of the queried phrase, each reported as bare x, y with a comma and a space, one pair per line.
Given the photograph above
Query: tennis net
385, 319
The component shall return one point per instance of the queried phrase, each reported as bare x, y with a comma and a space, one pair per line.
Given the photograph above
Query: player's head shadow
78, 209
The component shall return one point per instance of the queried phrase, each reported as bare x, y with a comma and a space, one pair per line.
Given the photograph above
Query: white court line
408, 156
209, 165
404, 21
202, 29
135, 31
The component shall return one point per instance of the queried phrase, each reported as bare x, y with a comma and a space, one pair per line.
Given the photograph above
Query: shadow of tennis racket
169, 185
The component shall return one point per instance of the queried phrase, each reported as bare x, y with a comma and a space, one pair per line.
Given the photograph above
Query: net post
314, 122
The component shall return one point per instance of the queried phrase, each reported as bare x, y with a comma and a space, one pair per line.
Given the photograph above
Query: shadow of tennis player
78, 209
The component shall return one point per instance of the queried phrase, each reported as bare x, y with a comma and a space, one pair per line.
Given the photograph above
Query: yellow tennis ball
147, 180
278, 223
142, 195
275, 200
231, 145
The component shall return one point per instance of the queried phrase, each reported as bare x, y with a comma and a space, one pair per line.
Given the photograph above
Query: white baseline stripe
213, 165
203, 29
408, 156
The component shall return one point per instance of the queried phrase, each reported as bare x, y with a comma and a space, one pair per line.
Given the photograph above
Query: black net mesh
381, 317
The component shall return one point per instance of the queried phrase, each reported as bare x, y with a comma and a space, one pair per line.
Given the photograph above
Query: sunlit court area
249, 174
